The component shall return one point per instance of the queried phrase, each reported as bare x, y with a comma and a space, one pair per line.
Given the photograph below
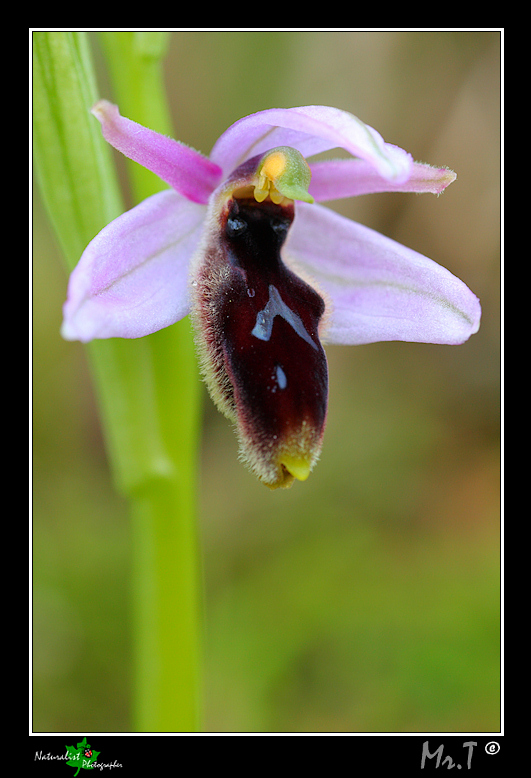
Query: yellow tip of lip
297, 466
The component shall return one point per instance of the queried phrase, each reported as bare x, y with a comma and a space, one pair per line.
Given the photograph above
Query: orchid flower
240, 242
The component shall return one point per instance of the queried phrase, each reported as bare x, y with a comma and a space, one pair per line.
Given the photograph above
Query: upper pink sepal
311, 129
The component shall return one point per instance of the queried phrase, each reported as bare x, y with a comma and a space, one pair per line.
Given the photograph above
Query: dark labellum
257, 325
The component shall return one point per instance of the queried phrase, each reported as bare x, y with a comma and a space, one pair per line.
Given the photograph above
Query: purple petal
379, 290
132, 278
183, 168
310, 129
338, 178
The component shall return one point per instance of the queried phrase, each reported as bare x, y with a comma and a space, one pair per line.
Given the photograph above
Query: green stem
147, 388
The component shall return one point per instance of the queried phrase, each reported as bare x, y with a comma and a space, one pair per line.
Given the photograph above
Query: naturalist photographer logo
81, 757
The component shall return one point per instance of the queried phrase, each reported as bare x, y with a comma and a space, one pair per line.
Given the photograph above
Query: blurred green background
367, 598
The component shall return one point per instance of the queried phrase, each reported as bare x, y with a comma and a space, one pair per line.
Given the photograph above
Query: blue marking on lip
276, 306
